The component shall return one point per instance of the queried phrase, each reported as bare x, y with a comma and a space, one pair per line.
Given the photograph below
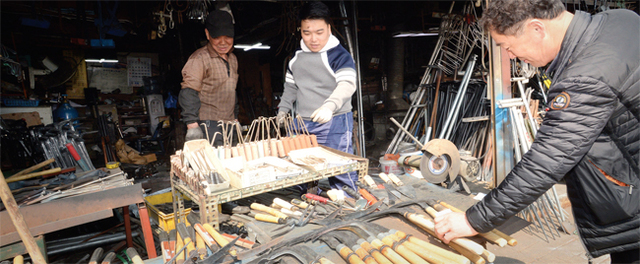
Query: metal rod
407, 132
359, 87
458, 100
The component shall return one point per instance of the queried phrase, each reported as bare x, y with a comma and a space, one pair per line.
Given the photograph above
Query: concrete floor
532, 246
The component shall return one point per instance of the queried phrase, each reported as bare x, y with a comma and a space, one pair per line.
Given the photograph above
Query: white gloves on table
322, 115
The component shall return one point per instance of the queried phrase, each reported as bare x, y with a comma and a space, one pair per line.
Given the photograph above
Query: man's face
527, 46
222, 44
315, 33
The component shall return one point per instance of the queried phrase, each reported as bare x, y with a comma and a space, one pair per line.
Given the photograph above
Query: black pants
629, 256
213, 127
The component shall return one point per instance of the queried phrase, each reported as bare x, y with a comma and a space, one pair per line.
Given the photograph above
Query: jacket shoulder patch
561, 101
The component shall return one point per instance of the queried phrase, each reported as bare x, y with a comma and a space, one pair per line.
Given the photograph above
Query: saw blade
441, 159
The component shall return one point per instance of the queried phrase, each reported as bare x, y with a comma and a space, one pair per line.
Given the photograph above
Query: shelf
209, 203
133, 116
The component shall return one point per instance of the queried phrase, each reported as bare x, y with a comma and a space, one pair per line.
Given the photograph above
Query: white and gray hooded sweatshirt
314, 79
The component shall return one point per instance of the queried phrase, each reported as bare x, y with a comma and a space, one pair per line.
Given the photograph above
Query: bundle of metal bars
458, 36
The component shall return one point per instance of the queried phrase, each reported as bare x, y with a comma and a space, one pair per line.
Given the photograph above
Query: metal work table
209, 204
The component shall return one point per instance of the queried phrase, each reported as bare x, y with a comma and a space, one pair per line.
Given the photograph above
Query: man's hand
193, 132
453, 225
280, 117
322, 115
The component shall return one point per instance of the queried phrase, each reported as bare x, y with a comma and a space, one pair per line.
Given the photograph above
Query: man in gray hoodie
321, 79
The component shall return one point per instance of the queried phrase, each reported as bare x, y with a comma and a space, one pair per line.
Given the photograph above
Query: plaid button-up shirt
215, 80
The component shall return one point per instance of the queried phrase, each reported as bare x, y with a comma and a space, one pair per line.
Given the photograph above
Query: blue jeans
336, 134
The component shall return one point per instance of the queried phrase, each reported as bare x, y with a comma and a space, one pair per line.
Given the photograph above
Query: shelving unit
209, 204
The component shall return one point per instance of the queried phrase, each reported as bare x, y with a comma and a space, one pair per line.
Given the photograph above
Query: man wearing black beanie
209, 80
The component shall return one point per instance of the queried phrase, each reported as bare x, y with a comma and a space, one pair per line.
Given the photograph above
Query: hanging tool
186, 237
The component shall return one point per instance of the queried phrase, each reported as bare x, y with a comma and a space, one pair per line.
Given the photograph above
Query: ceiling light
414, 34
250, 47
101, 61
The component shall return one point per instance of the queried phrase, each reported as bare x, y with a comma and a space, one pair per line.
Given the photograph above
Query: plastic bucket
390, 166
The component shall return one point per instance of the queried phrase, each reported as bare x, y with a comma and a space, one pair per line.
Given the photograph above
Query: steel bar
407, 132
63, 248
457, 101
359, 90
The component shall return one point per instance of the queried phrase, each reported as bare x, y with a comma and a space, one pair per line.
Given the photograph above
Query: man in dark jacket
590, 135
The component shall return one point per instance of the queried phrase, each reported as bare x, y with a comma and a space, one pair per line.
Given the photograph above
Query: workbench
209, 204
59, 214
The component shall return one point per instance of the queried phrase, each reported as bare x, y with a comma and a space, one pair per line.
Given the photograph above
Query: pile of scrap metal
59, 141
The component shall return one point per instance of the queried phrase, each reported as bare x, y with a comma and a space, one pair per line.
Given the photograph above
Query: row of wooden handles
268, 147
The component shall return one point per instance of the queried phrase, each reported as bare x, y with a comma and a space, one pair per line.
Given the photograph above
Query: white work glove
322, 115
280, 117
194, 133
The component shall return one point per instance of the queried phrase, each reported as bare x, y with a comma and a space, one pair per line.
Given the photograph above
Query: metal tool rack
209, 203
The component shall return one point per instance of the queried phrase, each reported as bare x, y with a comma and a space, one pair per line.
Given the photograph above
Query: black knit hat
219, 23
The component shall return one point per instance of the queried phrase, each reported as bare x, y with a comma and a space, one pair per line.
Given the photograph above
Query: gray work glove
280, 117
194, 133
322, 115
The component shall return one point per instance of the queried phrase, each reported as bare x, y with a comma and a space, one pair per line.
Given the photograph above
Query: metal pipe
359, 87
407, 132
458, 99
67, 247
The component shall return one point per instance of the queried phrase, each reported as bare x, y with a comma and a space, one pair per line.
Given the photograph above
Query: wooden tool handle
241, 152
19, 259
429, 226
247, 151
34, 167
403, 251
455, 258
218, 238
284, 204
33, 175
324, 260
254, 150
108, 258
510, 240
472, 256
286, 142
273, 149
298, 142
269, 218
204, 235
179, 244
18, 221
280, 147
368, 196
348, 255
267, 209
375, 253
369, 181
200, 246
300, 203
384, 177
395, 179
490, 236
96, 255
368, 259
234, 152
314, 140
133, 255
489, 256
388, 252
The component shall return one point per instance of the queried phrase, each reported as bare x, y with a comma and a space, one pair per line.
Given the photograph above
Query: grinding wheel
441, 159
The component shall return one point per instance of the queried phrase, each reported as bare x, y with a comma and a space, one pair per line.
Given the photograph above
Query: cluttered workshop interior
131, 133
